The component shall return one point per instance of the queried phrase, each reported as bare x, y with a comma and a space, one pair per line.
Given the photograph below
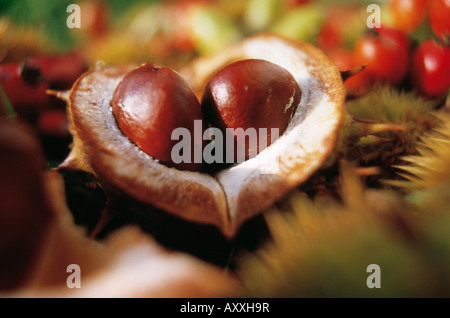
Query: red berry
430, 69
386, 60
25, 89
60, 71
407, 15
396, 35
439, 17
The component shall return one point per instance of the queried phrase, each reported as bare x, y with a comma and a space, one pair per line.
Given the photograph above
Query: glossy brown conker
151, 102
251, 93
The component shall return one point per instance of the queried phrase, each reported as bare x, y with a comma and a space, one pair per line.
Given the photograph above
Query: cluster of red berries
391, 56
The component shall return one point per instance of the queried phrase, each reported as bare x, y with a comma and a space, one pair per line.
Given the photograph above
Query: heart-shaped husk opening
235, 194
254, 185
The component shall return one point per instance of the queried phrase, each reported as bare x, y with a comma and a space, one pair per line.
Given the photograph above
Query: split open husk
236, 194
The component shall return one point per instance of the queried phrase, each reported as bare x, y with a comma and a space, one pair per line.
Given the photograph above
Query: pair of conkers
119, 114
151, 102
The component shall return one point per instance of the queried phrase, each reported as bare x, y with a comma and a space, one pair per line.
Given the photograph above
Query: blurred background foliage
49, 17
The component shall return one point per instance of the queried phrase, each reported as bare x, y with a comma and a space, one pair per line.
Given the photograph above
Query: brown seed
251, 93
149, 103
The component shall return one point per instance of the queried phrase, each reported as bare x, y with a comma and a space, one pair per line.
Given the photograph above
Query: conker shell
238, 193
